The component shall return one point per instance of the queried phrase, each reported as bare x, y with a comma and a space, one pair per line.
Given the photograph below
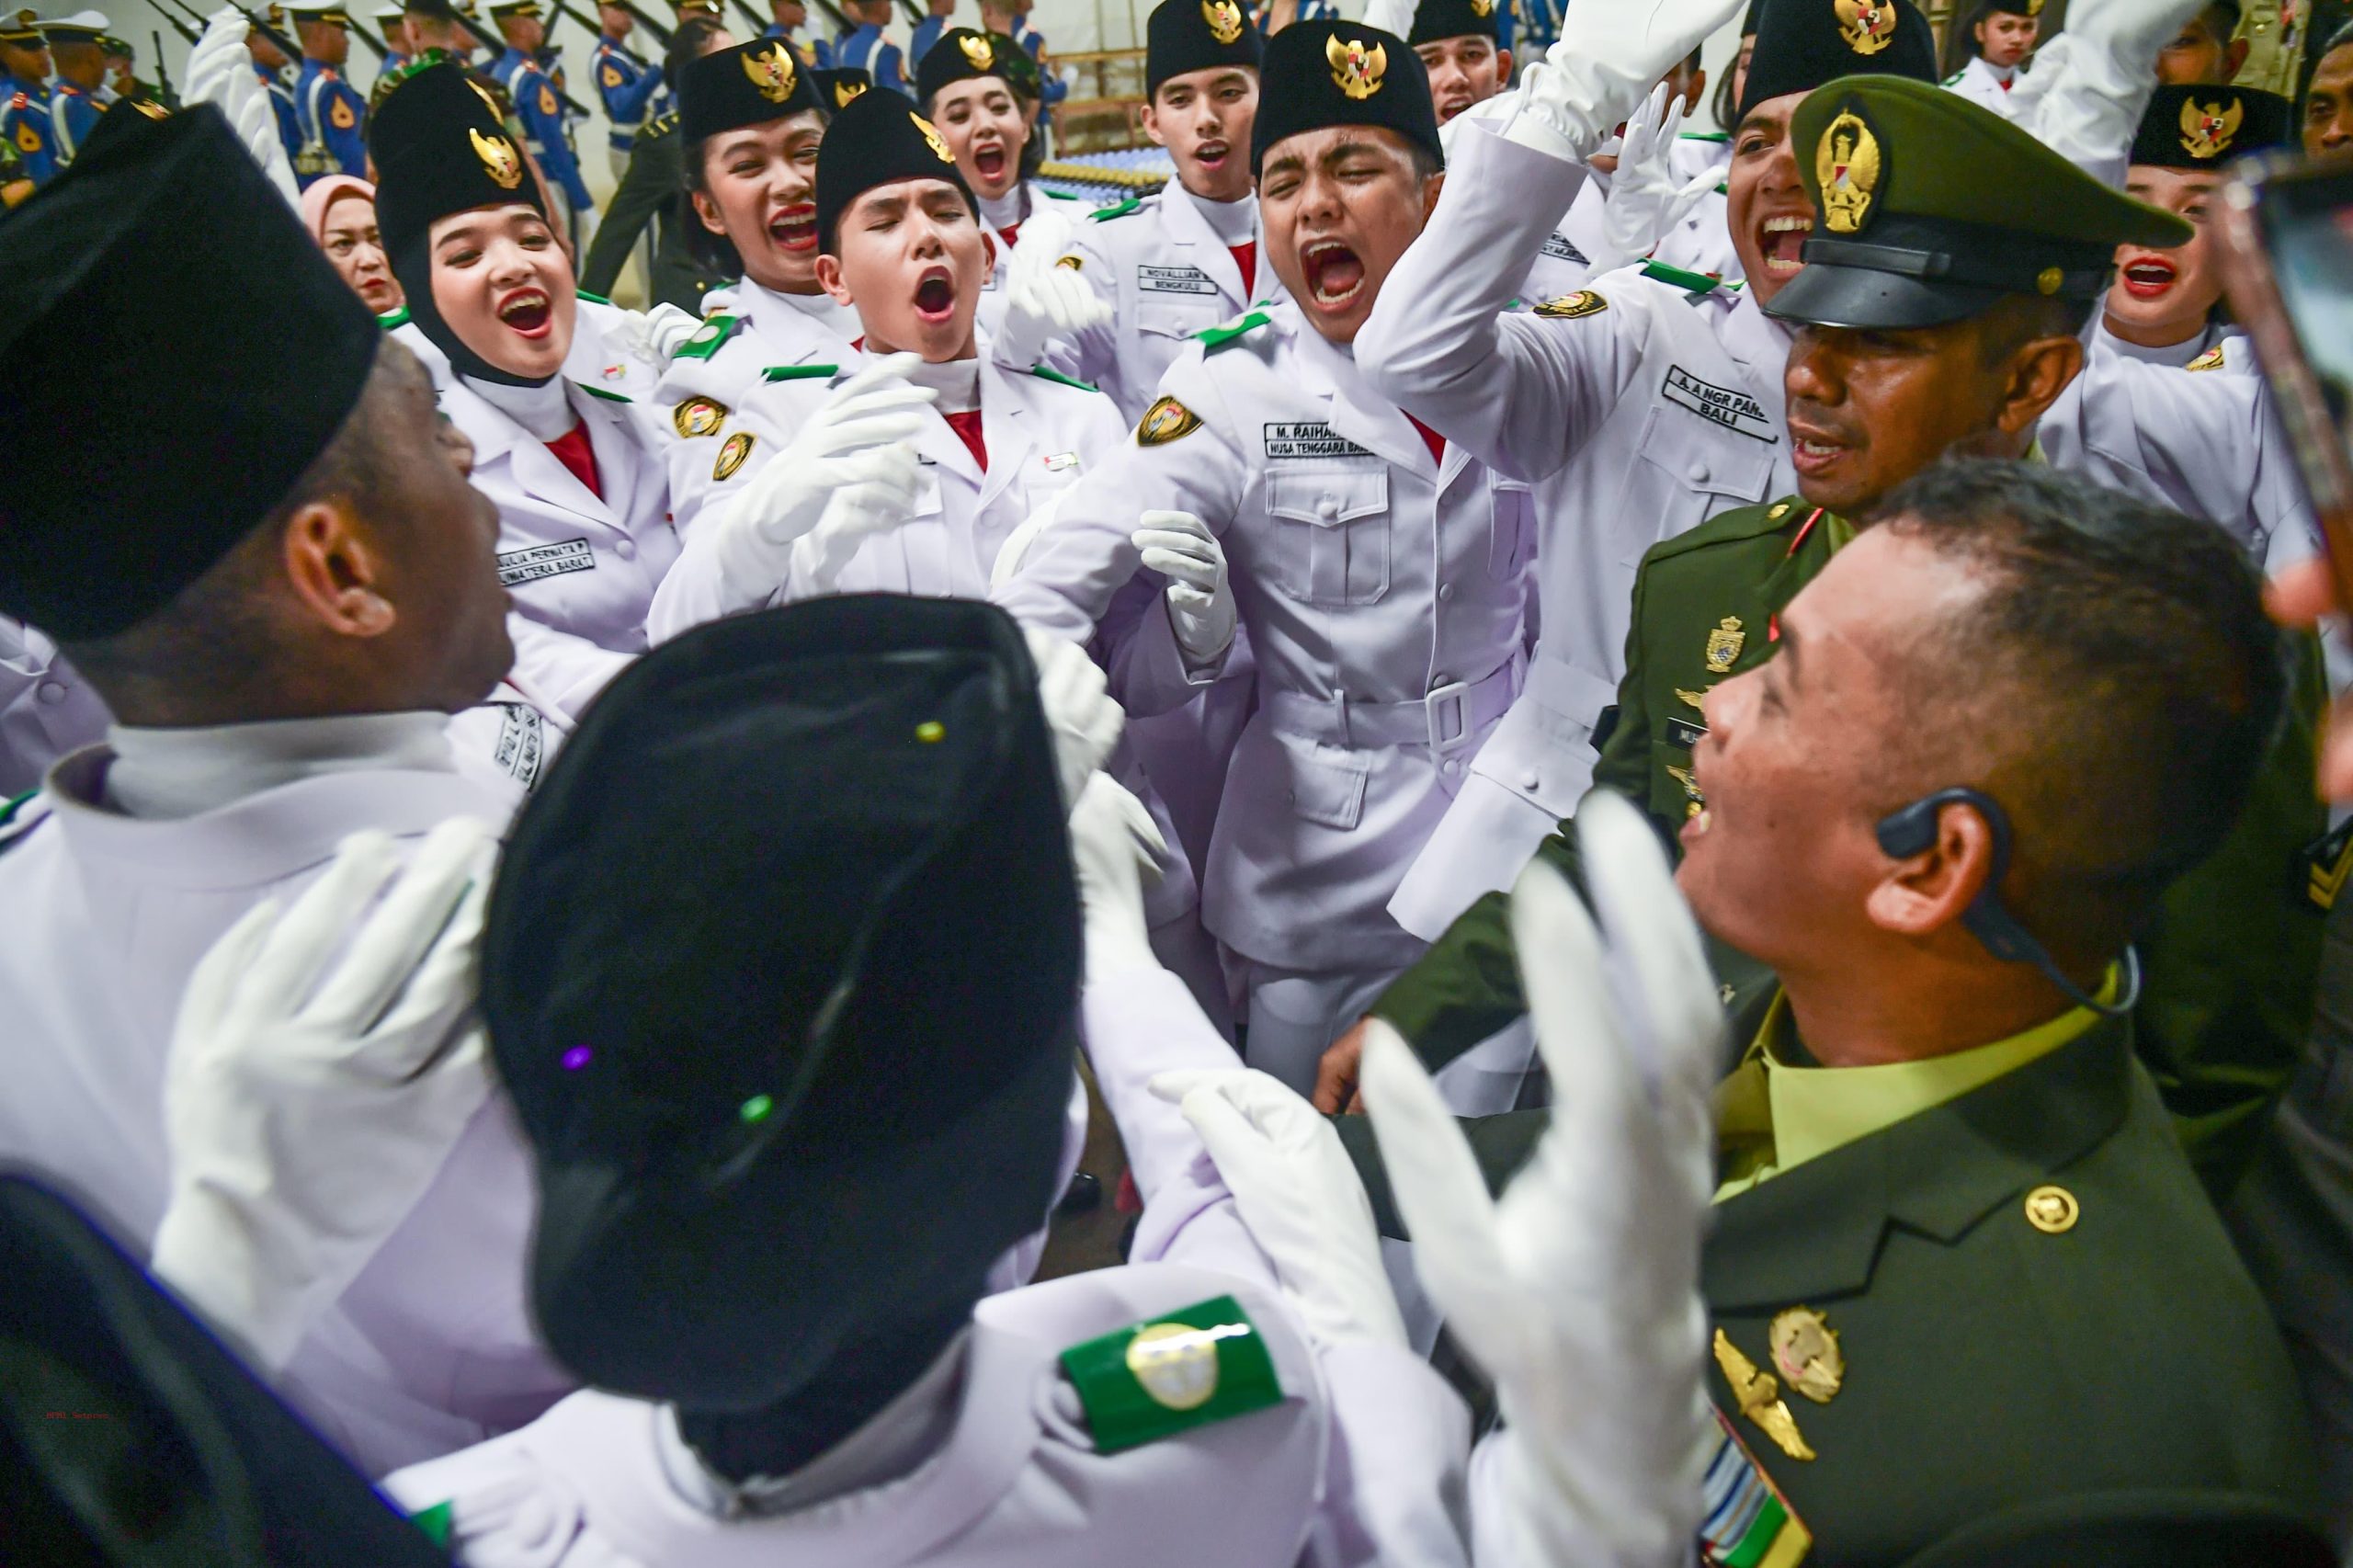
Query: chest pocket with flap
1332, 533
1684, 471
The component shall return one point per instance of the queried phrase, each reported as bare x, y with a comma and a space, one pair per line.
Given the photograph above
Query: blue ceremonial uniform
327, 113
1309, 11
541, 112
926, 33
281, 104
73, 115
865, 49
808, 54
1054, 88
627, 86
24, 120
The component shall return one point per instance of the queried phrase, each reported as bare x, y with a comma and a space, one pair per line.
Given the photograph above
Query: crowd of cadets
1233, 626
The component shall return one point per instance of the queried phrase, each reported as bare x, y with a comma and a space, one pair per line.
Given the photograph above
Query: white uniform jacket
581, 568
1382, 591
1168, 277
431, 1348
46, 708
1638, 410
1042, 434
1023, 200
1984, 85
1360, 1463
2219, 346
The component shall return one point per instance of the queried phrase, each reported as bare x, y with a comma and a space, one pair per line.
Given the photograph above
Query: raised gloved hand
1080, 714
220, 72
1116, 850
1579, 1290
315, 1085
1645, 200
786, 499
1202, 610
1300, 1196
216, 53
1393, 17
875, 492
1046, 297
1609, 53
2084, 96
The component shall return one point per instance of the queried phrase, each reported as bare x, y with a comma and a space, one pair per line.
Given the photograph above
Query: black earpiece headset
1912, 831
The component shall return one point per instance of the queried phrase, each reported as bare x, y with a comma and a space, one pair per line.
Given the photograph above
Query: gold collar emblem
931, 134
1357, 70
499, 160
1868, 26
1847, 166
772, 71
978, 50
1725, 645
1758, 1394
1806, 1353
2208, 129
845, 91
1224, 19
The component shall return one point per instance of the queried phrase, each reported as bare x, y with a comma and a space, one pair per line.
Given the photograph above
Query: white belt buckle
1452, 698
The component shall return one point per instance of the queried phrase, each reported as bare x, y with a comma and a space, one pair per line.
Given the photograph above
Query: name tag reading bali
520, 566
1306, 440
1175, 281
1727, 406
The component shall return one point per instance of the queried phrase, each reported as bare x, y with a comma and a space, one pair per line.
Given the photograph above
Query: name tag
1736, 411
1559, 248
1061, 462
1175, 281
1685, 734
1303, 440
519, 566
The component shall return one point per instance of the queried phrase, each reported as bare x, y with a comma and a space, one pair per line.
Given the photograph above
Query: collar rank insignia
1847, 166
1759, 1397
1725, 645
2208, 129
1806, 1353
1357, 70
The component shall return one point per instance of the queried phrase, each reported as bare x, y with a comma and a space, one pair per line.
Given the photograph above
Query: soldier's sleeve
1467, 986
345, 112
1522, 392
647, 184
543, 118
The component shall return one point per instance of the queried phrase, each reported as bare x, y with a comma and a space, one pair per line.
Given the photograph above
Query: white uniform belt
1448, 718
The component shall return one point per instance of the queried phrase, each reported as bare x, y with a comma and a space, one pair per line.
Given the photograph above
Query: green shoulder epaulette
1065, 195
1117, 209
1045, 374
1740, 522
392, 319
799, 372
1956, 77
1241, 326
716, 331
1718, 137
1697, 283
593, 299
1199, 1365
436, 1522
599, 392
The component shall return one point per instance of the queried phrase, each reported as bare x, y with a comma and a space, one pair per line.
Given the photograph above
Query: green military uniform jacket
2231, 961
650, 192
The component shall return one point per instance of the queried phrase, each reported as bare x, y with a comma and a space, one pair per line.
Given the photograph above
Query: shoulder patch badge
1202, 1364
2211, 360
392, 319
1232, 331
1584, 302
1117, 210
698, 416
1165, 421
799, 372
1046, 373
600, 391
714, 335
732, 454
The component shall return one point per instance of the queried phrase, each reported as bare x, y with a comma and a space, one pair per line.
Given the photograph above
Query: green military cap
1933, 208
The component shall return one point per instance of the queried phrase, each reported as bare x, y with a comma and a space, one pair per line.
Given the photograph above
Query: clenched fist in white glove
1645, 200
1609, 55
1300, 1196
652, 337
322, 1066
1579, 1291
1202, 610
1080, 714
1047, 296
875, 491
831, 455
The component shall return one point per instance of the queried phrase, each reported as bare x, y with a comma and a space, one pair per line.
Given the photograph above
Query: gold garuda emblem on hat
1357, 68
499, 159
978, 50
772, 71
1224, 19
1483, 7
2207, 130
2034, 8
931, 135
1868, 26
1847, 166
845, 91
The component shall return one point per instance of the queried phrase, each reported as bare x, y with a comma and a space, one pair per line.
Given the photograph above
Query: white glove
1202, 611
314, 1088
1116, 850
1645, 200
1393, 17
1045, 300
875, 492
652, 337
1299, 1194
1579, 1291
791, 493
1609, 53
2084, 96
1080, 714
220, 72
220, 53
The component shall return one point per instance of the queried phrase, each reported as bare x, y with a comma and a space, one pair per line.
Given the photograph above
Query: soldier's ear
2039, 372
1431, 190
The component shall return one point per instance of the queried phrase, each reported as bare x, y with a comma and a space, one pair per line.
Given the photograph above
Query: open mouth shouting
2148, 276
527, 312
1814, 450
1783, 241
935, 296
1334, 273
989, 162
794, 228
1212, 154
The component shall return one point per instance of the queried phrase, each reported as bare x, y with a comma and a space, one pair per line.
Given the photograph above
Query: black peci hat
441, 147
878, 138
116, 384
963, 53
1197, 35
1801, 44
1324, 73
2199, 127
836, 88
797, 1063
1435, 19
749, 83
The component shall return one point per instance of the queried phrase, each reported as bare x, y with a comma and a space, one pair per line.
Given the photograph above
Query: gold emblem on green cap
772, 71
2207, 130
978, 51
1224, 19
1847, 166
1806, 1353
1357, 68
498, 159
1868, 26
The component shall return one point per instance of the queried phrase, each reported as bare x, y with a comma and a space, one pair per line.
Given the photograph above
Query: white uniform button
1451, 767
1328, 508
1697, 473
1445, 592
626, 549
52, 692
1439, 682
1531, 779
